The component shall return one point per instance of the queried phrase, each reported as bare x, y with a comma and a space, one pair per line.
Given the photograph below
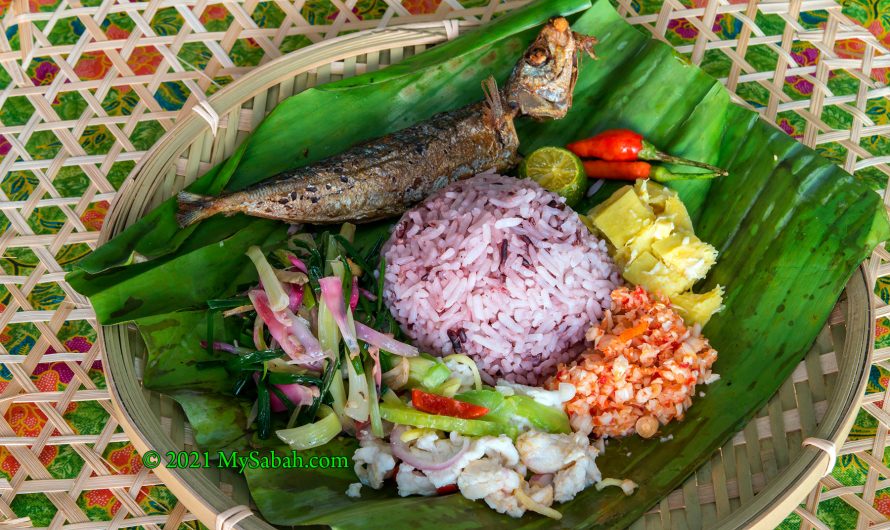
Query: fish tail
193, 208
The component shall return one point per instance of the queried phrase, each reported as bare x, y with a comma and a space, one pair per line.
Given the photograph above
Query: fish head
542, 81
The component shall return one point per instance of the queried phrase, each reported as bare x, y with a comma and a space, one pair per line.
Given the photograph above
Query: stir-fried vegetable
295, 299
278, 299
259, 339
449, 388
373, 403
357, 406
276, 323
397, 376
384, 342
332, 295
402, 415
250, 361
264, 410
426, 372
517, 410
329, 338
313, 434
435, 376
278, 378
469, 363
288, 396
446, 406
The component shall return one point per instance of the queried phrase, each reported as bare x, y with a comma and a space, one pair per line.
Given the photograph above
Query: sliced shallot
424, 462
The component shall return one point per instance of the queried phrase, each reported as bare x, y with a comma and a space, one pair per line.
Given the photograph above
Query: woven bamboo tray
755, 479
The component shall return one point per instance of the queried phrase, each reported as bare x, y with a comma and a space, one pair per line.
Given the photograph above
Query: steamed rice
499, 269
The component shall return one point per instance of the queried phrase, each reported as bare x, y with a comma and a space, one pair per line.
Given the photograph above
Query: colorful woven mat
118, 95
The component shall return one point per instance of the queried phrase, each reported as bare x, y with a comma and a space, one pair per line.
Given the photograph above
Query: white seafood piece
487, 479
549, 453
505, 503
373, 462
354, 490
541, 494
575, 478
413, 482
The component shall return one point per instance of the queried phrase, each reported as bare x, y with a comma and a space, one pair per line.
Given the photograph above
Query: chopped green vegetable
418, 369
347, 233
353, 254
279, 378
332, 251
278, 299
513, 410
541, 416
330, 375
228, 303
312, 434
390, 397
402, 415
448, 389
308, 299
329, 338
490, 399
264, 410
435, 376
373, 404
249, 362
241, 382
357, 406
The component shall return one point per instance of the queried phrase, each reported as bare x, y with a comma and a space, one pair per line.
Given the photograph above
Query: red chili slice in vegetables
445, 406
447, 489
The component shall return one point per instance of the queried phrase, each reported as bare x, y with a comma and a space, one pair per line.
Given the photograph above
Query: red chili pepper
446, 489
602, 169
445, 406
623, 145
616, 145
605, 169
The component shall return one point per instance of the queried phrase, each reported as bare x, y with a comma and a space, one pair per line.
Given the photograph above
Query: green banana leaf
791, 228
215, 270
173, 343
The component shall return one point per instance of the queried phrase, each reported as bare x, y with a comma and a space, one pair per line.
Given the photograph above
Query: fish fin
494, 103
498, 117
585, 43
193, 208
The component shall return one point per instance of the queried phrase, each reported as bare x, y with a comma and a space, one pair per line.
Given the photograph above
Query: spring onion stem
312, 434
278, 299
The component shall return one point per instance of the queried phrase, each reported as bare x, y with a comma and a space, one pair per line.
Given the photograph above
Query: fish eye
537, 57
